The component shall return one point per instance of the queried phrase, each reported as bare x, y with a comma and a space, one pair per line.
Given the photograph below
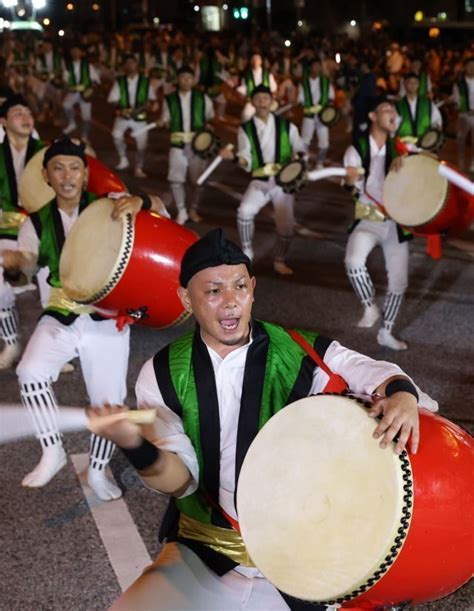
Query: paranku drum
292, 176
124, 268
328, 516
329, 115
419, 198
205, 144
34, 192
432, 140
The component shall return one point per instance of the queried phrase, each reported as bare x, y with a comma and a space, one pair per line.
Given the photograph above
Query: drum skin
101, 178
438, 554
151, 278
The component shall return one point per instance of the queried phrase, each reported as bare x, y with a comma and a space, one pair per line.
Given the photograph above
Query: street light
9, 3
38, 4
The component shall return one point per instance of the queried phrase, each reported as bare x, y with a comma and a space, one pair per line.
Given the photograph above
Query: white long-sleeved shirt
267, 137
28, 238
436, 119
470, 91
257, 79
185, 99
132, 84
76, 66
315, 87
376, 178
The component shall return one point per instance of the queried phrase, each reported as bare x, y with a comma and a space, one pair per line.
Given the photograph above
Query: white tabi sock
100, 454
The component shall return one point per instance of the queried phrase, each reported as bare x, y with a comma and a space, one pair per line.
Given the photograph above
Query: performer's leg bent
307, 130
178, 579
8, 317
283, 204
361, 242
178, 167
103, 352
322, 132
196, 168
119, 129
50, 347
254, 199
141, 141
68, 106
86, 113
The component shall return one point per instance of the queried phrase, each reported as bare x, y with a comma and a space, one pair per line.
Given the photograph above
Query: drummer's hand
122, 432
129, 204
399, 417
17, 260
227, 153
352, 176
397, 163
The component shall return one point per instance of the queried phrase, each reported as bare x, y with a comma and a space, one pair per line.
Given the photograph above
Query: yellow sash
181, 137
312, 110
11, 220
269, 169
368, 212
59, 299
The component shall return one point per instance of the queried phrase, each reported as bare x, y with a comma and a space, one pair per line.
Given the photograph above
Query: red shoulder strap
336, 383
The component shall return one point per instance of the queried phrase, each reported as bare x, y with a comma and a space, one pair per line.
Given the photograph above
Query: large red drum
126, 269
419, 198
329, 517
34, 192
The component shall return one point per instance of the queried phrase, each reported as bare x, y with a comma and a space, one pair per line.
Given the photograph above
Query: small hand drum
432, 140
292, 176
205, 144
329, 115
87, 94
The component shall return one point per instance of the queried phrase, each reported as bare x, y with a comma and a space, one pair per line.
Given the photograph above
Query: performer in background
186, 111
463, 93
132, 95
16, 149
265, 143
66, 328
215, 376
375, 152
255, 75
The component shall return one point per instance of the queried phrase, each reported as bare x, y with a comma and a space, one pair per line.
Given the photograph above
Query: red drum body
101, 178
329, 517
422, 200
126, 269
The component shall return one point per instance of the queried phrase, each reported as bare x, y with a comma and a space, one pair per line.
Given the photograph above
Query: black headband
211, 250
261, 89
10, 102
65, 146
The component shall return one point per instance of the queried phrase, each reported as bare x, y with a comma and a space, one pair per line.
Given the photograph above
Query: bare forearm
167, 474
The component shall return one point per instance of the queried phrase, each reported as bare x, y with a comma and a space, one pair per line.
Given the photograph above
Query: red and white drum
328, 516
34, 192
419, 198
126, 269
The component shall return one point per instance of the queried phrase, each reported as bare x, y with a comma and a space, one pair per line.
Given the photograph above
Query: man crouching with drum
67, 329
213, 389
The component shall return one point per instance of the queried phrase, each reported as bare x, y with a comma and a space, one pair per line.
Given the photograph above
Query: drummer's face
19, 120
262, 103
385, 117
185, 81
67, 175
221, 299
412, 85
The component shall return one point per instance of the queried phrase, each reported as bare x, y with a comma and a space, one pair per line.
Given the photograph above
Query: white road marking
124, 546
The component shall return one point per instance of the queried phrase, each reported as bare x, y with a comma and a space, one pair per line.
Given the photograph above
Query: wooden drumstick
213, 165
330, 172
137, 416
456, 178
146, 128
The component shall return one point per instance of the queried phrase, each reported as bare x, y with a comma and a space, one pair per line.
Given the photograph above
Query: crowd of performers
184, 85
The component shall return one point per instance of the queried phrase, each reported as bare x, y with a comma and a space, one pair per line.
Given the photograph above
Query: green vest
141, 96
198, 112
277, 372
420, 123
49, 229
250, 82
463, 96
8, 185
308, 96
85, 75
423, 86
283, 149
56, 63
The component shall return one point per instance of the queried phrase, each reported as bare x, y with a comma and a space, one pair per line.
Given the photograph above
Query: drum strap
336, 383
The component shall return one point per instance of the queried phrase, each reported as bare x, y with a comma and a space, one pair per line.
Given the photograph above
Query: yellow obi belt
368, 212
11, 220
269, 169
59, 300
181, 137
312, 110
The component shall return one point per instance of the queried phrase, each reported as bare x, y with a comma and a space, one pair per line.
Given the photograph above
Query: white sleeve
244, 150
28, 241
114, 94
456, 95
95, 78
300, 94
352, 159
151, 94
273, 85
242, 88
332, 92
209, 108
165, 111
297, 144
169, 428
436, 118
362, 373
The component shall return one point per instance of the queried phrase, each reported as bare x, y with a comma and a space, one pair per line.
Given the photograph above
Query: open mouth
229, 324
68, 187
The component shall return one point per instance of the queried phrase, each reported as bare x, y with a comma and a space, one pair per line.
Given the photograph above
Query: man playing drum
266, 143
213, 389
16, 149
315, 92
255, 75
375, 152
67, 329
186, 111
132, 93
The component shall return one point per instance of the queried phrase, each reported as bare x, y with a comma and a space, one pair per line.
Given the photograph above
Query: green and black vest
57, 63
277, 372
8, 186
209, 73
362, 146
198, 112
141, 96
423, 86
250, 81
85, 74
308, 96
463, 96
418, 125
283, 149
50, 231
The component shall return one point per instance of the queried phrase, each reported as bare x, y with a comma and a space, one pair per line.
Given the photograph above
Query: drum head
290, 172
320, 504
203, 141
93, 252
329, 116
415, 194
431, 140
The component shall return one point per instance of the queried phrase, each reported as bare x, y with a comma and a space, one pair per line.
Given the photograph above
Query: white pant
179, 581
258, 194
120, 127
72, 98
180, 160
7, 296
309, 126
365, 237
101, 348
